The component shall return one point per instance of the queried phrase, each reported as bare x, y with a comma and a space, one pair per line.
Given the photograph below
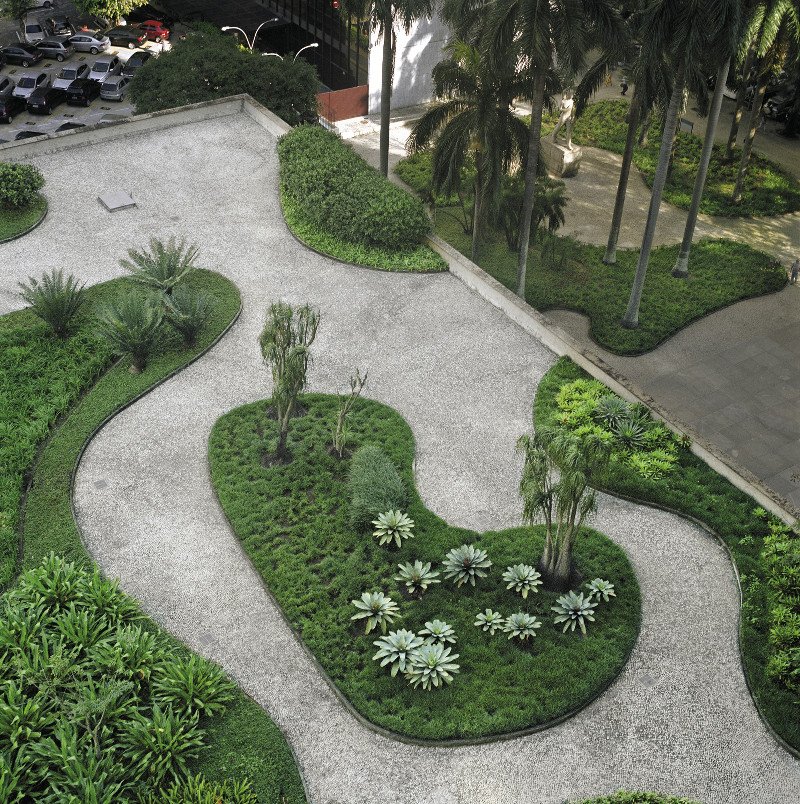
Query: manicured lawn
293, 521
14, 222
696, 490
625, 797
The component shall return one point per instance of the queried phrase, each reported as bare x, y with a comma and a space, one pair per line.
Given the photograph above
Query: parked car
23, 54
34, 30
58, 49
24, 135
9, 107
129, 37
90, 42
34, 5
82, 92
156, 31
102, 68
113, 88
29, 82
45, 99
60, 25
69, 74
70, 126
147, 13
136, 61
6, 85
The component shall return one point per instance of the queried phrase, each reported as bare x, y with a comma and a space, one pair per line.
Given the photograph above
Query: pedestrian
794, 271
624, 84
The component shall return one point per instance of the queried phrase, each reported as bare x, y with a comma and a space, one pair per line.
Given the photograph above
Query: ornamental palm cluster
377, 609
465, 564
393, 526
522, 578
417, 576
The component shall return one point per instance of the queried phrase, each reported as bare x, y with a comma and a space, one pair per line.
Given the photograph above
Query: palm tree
474, 118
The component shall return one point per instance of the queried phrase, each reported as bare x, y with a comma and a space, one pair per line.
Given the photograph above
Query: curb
30, 228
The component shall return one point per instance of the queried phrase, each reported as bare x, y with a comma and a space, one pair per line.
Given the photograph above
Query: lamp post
250, 43
305, 47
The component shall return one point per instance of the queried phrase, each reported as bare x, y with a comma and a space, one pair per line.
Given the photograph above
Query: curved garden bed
15, 223
293, 522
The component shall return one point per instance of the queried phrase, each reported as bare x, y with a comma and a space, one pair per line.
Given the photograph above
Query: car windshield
69, 73
27, 83
101, 67
109, 86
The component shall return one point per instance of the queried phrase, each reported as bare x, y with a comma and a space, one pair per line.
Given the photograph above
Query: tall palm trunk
631, 319
634, 114
477, 209
747, 145
531, 169
386, 89
645, 132
681, 268
737, 112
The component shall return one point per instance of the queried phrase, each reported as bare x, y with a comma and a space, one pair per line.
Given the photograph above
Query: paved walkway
678, 719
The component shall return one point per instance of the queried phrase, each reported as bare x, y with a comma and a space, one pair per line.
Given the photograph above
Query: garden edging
38, 223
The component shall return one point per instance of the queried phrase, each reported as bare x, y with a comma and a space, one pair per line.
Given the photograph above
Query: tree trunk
634, 114
476, 211
562, 572
681, 268
531, 170
737, 112
631, 319
643, 135
747, 145
386, 89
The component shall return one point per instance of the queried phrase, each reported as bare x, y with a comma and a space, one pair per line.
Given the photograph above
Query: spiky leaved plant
54, 299
131, 327
378, 610
522, 578
490, 621
600, 589
417, 576
521, 626
438, 631
393, 526
611, 409
396, 648
346, 402
188, 311
164, 266
465, 564
432, 665
574, 609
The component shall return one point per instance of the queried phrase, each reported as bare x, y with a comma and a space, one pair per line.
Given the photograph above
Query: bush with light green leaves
466, 563
432, 665
417, 576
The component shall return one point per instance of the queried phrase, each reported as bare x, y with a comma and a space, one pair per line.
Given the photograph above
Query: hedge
19, 185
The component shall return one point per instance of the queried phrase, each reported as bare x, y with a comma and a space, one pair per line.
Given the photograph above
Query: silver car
6, 86
69, 74
59, 49
113, 88
28, 82
90, 42
105, 67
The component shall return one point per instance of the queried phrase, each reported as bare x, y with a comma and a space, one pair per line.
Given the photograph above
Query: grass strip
14, 222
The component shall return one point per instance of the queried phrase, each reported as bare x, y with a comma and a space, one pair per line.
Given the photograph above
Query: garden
22, 205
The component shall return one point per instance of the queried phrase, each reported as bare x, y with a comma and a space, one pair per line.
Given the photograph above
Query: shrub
521, 626
54, 299
188, 311
165, 266
629, 797
193, 685
574, 609
393, 526
465, 564
197, 790
131, 327
417, 576
19, 185
342, 194
396, 648
432, 665
490, 621
375, 485
522, 578
377, 609
438, 631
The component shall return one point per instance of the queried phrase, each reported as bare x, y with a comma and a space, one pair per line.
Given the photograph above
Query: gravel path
678, 719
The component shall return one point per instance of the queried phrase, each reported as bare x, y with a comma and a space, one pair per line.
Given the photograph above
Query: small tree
346, 402
285, 345
131, 327
109, 9
555, 486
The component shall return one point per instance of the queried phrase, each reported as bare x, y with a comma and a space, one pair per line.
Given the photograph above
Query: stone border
30, 228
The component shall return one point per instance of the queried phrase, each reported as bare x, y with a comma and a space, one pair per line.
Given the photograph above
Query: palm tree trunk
747, 145
643, 135
737, 113
631, 319
634, 114
681, 268
386, 89
476, 211
531, 169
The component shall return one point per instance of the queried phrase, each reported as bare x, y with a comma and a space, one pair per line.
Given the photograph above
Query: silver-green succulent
600, 589
490, 621
521, 626
522, 578
431, 665
417, 576
438, 631
396, 648
378, 610
574, 609
393, 526
465, 564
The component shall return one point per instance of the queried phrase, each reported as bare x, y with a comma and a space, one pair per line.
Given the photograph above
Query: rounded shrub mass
19, 185
337, 190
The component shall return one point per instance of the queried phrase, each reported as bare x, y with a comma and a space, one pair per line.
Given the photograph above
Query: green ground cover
15, 221
626, 797
293, 521
768, 188
242, 741
694, 489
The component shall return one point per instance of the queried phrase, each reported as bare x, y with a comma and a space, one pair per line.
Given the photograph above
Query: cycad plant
131, 327
55, 299
188, 311
164, 266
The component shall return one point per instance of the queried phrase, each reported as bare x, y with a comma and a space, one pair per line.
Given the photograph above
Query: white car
105, 67
69, 74
29, 82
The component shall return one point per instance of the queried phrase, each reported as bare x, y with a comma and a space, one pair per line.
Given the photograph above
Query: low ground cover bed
295, 521
13, 222
766, 552
626, 797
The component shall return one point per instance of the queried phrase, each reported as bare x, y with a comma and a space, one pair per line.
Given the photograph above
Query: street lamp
250, 44
306, 47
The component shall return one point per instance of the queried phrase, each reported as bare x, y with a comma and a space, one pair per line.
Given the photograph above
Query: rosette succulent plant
574, 609
489, 621
522, 578
465, 564
393, 526
438, 631
521, 626
417, 576
378, 610
396, 649
432, 665
601, 590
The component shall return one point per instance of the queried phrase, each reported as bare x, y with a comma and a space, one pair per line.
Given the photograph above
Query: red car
155, 30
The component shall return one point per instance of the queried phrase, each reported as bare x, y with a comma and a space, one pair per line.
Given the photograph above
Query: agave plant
630, 431
522, 578
396, 648
431, 665
574, 609
55, 299
611, 409
466, 563
417, 576
378, 610
490, 621
601, 589
521, 626
438, 631
164, 266
393, 526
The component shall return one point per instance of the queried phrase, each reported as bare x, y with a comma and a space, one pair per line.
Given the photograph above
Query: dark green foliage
375, 486
188, 312
192, 686
293, 521
198, 790
626, 797
339, 192
694, 489
164, 266
55, 299
208, 65
131, 327
13, 222
19, 185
